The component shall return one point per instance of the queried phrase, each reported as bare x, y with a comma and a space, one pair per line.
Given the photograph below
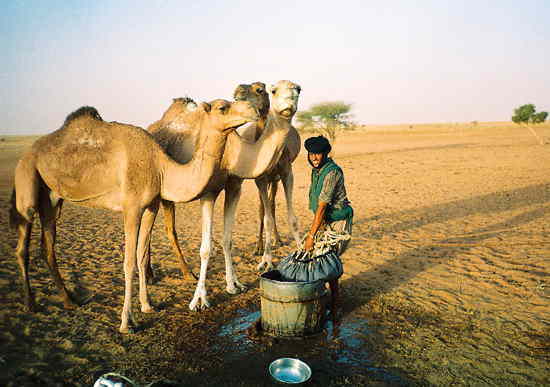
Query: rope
325, 241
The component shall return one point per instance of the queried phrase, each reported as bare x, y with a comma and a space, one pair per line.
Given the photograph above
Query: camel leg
287, 176
232, 196
266, 262
132, 220
24, 202
143, 248
48, 217
272, 195
261, 213
272, 188
169, 210
24, 229
207, 206
149, 273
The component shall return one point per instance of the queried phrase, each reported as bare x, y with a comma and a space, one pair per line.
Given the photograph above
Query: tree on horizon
526, 114
328, 118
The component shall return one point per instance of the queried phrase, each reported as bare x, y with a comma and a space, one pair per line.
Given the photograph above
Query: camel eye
273, 91
298, 89
223, 108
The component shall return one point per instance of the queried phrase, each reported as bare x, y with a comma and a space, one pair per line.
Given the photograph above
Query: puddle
236, 329
335, 350
349, 334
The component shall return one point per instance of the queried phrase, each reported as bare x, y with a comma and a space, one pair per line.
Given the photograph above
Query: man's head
318, 148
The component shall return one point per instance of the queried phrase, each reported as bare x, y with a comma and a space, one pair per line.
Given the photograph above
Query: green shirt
327, 186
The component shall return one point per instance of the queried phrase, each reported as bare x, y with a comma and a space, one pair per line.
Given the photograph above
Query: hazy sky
396, 61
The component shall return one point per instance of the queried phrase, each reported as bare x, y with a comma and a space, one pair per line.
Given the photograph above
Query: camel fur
118, 167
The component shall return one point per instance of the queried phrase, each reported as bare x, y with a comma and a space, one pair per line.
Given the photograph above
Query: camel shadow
434, 147
437, 252
493, 202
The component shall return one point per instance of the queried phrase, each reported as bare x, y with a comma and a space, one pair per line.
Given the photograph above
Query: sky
395, 61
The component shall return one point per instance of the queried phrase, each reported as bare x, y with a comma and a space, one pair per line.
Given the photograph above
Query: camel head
225, 116
284, 98
254, 93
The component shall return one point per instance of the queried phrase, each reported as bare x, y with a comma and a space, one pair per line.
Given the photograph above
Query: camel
246, 156
267, 184
118, 167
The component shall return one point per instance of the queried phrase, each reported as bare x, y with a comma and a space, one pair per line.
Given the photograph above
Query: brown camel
119, 167
244, 158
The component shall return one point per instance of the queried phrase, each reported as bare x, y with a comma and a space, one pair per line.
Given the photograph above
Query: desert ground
446, 278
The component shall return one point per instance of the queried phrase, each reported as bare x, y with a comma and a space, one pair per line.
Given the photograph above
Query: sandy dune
446, 279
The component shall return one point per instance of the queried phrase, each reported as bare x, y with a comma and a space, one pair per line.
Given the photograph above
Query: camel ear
206, 107
298, 89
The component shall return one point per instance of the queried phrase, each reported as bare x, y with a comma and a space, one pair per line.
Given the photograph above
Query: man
327, 194
328, 201
330, 230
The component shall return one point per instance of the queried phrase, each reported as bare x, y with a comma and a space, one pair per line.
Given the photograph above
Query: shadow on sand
437, 252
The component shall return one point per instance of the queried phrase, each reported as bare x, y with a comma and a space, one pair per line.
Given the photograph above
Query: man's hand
317, 222
308, 244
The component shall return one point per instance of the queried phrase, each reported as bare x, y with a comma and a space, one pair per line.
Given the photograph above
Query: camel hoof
236, 288
241, 287
233, 290
70, 305
70, 302
150, 277
148, 309
195, 306
188, 275
127, 330
264, 266
30, 307
277, 243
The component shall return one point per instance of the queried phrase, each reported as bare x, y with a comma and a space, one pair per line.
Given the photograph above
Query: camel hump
184, 100
83, 111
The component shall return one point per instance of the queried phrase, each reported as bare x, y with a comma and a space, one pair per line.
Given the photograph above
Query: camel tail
15, 217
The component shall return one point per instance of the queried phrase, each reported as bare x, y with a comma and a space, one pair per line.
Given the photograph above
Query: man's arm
317, 223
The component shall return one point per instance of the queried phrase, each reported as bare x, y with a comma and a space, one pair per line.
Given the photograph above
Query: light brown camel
282, 171
243, 158
119, 167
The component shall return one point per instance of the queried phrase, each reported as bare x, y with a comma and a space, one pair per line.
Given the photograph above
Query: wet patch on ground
331, 353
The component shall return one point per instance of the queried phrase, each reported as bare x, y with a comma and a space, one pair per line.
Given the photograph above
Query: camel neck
187, 182
247, 159
261, 124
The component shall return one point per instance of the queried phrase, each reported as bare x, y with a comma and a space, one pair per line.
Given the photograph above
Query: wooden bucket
291, 309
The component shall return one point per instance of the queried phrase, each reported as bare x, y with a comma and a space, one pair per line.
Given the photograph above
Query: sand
446, 278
